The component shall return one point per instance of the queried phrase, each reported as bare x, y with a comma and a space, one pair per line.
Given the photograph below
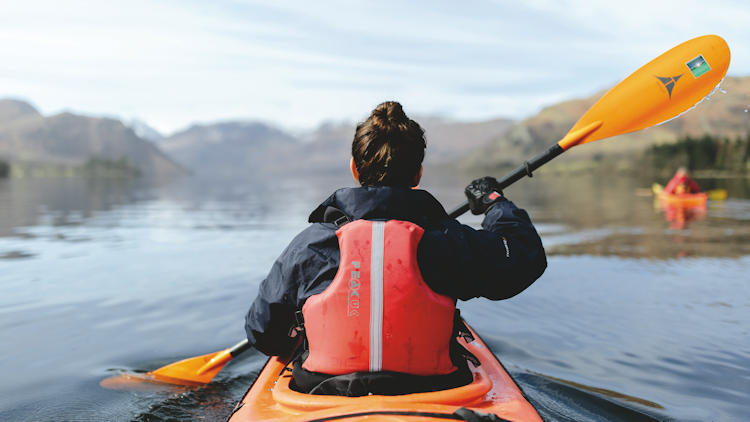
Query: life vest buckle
299, 328
460, 329
341, 221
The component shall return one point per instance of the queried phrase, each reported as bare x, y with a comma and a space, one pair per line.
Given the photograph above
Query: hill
231, 149
723, 114
11, 110
66, 140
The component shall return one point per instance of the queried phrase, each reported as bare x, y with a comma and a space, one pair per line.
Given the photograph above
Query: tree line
707, 152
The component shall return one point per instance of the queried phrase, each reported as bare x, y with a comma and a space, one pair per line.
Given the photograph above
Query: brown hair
388, 147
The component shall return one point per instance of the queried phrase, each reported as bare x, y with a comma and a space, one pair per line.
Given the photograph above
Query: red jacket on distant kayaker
681, 183
386, 223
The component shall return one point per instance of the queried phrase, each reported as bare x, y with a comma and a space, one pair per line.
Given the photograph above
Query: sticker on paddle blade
698, 66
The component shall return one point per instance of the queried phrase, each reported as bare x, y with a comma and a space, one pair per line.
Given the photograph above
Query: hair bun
388, 147
390, 113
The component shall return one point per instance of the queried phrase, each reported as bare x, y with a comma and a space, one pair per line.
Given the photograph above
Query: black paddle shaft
239, 347
519, 172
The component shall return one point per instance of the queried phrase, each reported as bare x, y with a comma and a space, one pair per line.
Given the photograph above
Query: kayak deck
492, 391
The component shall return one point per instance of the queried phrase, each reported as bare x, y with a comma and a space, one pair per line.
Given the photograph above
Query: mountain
231, 149
11, 110
71, 140
143, 130
722, 114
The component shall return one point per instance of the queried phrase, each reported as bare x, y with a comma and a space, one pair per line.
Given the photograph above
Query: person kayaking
372, 283
681, 183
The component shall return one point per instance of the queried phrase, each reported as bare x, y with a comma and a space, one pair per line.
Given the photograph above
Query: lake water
636, 318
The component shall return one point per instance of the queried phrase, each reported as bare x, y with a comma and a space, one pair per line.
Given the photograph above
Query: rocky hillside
70, 140
723, 114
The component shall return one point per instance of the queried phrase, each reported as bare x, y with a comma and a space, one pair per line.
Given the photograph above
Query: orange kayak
493, 392
685, 199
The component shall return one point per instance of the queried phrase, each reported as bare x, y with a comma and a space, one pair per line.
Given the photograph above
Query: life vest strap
297, 331
460, 330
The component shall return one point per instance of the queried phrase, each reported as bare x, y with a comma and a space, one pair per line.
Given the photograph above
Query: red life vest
378, 314
681, 178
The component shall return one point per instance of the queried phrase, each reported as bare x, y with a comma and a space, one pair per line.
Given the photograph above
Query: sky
296, 64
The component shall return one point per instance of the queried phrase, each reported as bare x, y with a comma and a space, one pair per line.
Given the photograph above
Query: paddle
660, 90
717, 194
197, 370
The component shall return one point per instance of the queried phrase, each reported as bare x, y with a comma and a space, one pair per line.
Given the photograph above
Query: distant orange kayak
685, 199
493, 391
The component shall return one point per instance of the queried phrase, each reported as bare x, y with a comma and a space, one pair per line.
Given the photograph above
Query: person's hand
483, 193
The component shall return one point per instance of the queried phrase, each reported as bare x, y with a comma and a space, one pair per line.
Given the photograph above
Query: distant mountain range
66, 139
242, 149
247, 149
725, 113
223, 150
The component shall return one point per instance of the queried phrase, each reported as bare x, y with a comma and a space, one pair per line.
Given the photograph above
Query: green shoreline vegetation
94, 167
704, 155
707, 156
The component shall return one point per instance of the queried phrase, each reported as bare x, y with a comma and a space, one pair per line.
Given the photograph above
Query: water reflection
62, 201
680, 216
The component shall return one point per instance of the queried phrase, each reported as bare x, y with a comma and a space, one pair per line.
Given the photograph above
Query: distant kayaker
377, 273
681, 183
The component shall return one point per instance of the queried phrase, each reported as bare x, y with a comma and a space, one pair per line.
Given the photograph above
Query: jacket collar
383, 202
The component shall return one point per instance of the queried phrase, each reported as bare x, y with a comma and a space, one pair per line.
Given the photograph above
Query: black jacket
456, 260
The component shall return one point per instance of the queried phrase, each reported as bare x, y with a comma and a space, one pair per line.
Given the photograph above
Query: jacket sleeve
497, 262
301, 270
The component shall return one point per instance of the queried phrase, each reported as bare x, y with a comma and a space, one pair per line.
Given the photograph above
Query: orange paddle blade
660, 90
193, 371
133, 381
199, 369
